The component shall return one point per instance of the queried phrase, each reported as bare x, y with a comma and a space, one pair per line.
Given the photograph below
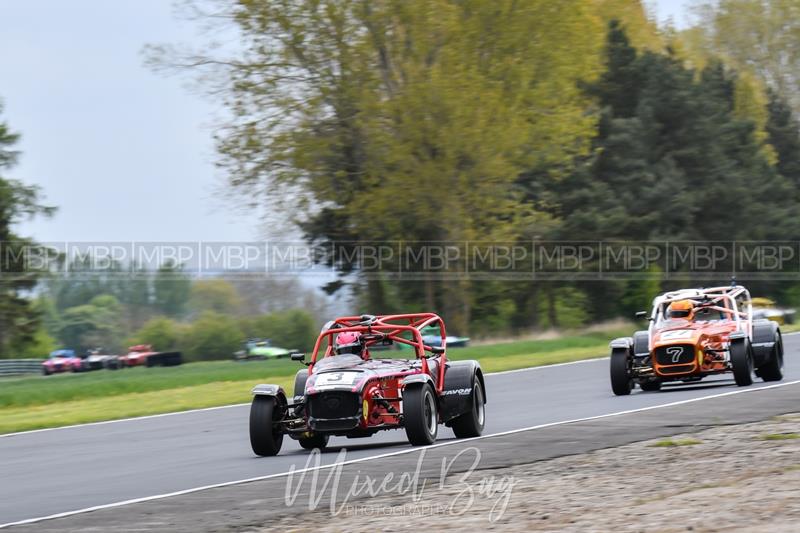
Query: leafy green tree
19, 324
639, 293
211, 336
756, 35
96, 324
215, 295
352, 105
162, 333
50, 316
567, 308
39, 346
292, 329
171, 290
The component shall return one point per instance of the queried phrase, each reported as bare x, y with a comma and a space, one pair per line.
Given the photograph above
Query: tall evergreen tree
19, 321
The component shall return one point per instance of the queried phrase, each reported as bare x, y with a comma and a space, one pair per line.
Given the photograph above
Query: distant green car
260, 349
431, 337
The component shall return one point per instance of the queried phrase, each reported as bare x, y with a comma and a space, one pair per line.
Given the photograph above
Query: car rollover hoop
354, 395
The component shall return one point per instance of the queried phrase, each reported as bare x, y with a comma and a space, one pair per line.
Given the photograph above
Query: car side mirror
641, 315
297, 356
438, 350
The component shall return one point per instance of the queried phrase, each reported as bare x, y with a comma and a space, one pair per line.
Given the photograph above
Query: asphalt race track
57, 471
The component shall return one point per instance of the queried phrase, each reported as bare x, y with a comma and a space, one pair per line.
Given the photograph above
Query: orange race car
695, 333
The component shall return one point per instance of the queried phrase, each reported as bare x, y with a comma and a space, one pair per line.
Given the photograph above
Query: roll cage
733, 301
387, 329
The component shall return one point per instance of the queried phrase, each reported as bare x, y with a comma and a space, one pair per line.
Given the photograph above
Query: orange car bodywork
685, 348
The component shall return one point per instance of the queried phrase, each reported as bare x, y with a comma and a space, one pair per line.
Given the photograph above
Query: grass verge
669, 443
779, 436
37, 402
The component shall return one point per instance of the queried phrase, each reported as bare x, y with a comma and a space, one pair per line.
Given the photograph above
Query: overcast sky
125, 154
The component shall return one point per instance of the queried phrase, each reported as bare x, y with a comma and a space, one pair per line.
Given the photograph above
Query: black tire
45, 372
650, 386
621, 382
420, 415
265, 438
471, 424
742, 362
773, 369
318, 440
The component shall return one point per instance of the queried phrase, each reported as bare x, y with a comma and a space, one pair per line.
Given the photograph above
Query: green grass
669, 443
35, 402
790, 328
41, 390
779, 436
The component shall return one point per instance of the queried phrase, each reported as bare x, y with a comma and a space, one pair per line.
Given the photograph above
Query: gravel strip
730, 478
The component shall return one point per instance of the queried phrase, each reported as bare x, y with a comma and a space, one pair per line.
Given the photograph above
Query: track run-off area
63, 471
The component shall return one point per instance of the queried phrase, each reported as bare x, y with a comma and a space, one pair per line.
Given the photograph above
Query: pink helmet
348, 342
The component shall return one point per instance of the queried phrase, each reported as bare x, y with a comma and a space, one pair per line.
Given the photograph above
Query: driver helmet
348, 342
681, 309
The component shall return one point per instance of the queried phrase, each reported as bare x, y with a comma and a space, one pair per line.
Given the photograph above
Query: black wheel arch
456, 397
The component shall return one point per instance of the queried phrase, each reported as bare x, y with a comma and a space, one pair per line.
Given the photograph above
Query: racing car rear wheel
265, 437
773, 370
650, 386
621, 382
742, 362
471, 423
317, 440
420, 415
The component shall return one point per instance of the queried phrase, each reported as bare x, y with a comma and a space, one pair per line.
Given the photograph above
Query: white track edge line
385, 455
203, 409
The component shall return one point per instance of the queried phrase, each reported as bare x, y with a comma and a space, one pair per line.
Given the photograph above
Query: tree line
463, 120
497, 120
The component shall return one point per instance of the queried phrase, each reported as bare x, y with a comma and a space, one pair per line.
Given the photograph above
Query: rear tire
650, 386
773, 370
318, 440
265, 438
621, 382
471, 423
742, 362
420, 415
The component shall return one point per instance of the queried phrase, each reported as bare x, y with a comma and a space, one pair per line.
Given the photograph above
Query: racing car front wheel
621, 382
420, 415
471, 423
265, 437
742, 362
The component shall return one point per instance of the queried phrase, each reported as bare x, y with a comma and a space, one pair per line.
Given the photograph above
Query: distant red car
137, 355
62, 361
144, 355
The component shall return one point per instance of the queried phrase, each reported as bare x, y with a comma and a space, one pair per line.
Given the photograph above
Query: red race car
345, 392
143, 354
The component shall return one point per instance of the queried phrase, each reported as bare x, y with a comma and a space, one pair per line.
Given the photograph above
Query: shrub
211, 336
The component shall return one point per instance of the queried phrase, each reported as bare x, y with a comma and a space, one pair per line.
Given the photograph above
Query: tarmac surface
124, 471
